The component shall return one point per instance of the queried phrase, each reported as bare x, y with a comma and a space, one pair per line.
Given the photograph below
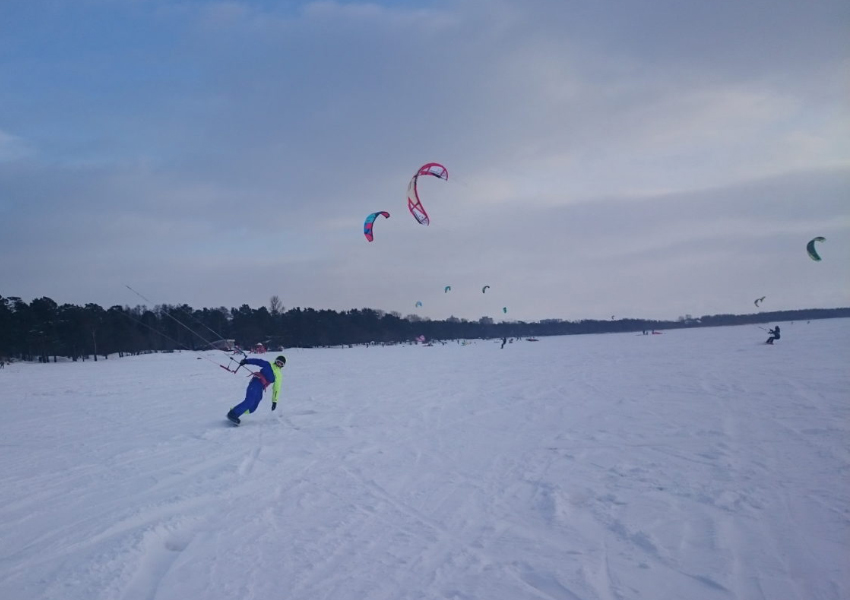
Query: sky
632, 159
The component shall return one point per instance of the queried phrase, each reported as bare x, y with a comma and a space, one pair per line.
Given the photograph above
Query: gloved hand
274, 405
242, 362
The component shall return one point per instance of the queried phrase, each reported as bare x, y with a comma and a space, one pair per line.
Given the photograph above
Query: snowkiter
774, 335
269, 374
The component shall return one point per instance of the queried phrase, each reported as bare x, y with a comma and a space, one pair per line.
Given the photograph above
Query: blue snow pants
253, 395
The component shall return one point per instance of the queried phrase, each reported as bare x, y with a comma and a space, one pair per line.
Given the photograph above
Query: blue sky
647, 159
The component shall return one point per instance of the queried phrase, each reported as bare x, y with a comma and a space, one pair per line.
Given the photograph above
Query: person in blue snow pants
269, 374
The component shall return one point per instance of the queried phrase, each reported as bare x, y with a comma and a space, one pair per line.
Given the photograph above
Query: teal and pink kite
370, 221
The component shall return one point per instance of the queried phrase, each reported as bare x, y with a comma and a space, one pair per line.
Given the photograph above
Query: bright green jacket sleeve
276, 385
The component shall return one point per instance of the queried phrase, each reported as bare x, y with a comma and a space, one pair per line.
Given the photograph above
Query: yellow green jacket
278, 376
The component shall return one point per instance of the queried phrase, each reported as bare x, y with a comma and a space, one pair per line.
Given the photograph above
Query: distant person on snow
269, 374
504, 341
774, 335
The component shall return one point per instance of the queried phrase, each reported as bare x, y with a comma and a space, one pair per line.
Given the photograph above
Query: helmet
280, 359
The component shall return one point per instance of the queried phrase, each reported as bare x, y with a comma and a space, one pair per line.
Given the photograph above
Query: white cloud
13, 147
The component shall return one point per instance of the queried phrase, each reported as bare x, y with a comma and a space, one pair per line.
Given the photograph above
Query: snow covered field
692, 465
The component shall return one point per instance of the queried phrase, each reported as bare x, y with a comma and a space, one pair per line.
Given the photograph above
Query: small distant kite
418, 304
505, 309
485, 288
413, 202
448, 289
810, 248
370, 221
758, 301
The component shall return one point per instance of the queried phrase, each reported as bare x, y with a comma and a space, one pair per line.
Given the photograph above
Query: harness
263, 380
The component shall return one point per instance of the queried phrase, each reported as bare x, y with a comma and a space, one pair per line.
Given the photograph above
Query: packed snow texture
696, 464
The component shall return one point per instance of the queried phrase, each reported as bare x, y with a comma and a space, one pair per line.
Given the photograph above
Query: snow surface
697, 464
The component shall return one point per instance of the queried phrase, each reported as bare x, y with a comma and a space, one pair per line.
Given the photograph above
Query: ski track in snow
698, 464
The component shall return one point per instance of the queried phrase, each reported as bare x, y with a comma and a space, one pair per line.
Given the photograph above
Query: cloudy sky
646, 158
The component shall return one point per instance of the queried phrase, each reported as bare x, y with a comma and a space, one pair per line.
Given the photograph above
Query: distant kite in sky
759, 301
413, 201
370, 221
505, 309
418, 304
485, 288
810, 248
448, 289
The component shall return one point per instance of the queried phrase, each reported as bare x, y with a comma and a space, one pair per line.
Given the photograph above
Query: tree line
44, 330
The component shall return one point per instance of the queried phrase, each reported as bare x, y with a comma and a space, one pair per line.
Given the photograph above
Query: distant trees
275, 305
44, 330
